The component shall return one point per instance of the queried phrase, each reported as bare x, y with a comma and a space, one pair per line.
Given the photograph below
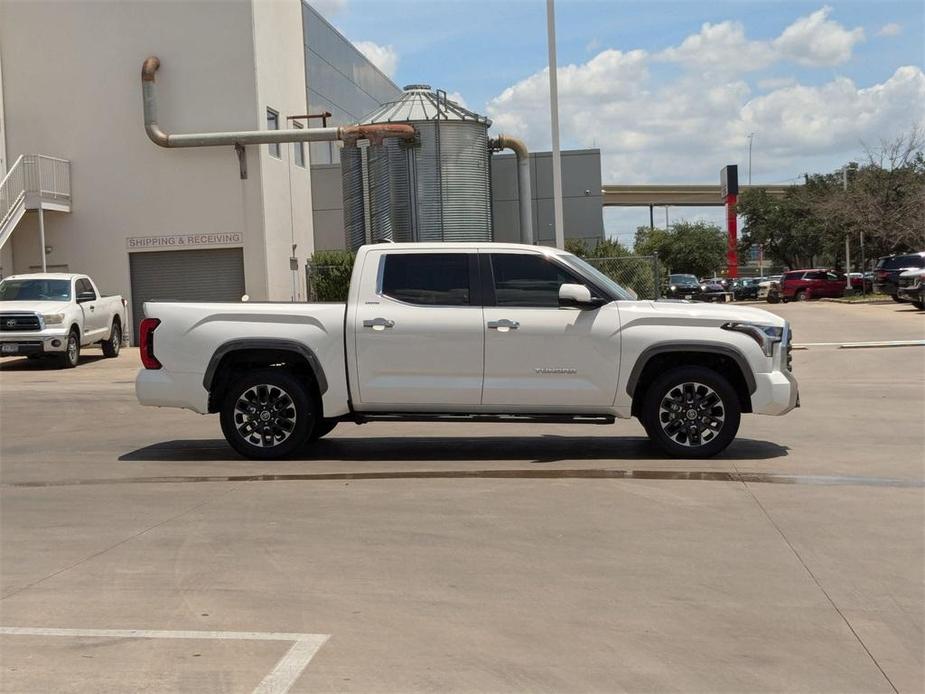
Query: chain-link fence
637, 272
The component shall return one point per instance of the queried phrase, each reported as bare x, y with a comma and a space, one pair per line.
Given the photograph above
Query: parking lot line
278, 681
861, 345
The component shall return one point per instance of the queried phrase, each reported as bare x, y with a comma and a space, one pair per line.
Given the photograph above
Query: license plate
9, 349
688, 296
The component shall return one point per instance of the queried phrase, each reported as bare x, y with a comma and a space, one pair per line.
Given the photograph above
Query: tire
322, 427
273, 396
773, 298
895, 297
920, 305
801, 295
112, 346
71, 355
706, 393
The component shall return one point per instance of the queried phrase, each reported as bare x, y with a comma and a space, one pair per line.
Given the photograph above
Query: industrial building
87, 191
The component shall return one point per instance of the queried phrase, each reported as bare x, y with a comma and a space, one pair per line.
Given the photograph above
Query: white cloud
592, 45
720, 48
328, 8
816, 40
776, 82
383, 57
724, 49
684, 131
891, 29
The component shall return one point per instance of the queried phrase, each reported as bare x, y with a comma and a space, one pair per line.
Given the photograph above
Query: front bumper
776, 393
13, 344
910, 293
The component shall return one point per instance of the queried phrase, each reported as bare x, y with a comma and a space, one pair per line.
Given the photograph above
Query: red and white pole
732, 251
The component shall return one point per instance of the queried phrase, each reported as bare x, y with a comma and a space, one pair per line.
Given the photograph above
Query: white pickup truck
55, 314
461, 332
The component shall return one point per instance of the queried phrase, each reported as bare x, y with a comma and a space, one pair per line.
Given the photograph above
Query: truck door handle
379, 323
503, 325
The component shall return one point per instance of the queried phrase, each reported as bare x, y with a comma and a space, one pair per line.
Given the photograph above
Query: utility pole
844, 183
751, 137
554, 121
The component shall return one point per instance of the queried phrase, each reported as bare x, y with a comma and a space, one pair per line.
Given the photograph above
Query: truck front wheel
691, 412
267, 413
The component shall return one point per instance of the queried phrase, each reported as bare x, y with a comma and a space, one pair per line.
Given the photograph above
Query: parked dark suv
889, 268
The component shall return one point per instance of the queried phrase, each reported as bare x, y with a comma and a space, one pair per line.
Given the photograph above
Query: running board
363, 417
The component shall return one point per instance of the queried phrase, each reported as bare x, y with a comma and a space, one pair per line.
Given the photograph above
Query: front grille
19, 322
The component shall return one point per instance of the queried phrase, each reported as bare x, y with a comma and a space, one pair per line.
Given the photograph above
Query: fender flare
690, 346
250, 343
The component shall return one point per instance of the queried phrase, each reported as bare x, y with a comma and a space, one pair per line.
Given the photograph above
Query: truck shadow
533, 449
43, 364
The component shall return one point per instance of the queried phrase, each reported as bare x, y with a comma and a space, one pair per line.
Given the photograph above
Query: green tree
328, 275
790, 229
697, 248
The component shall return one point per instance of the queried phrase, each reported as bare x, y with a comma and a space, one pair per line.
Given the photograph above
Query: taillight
146, 343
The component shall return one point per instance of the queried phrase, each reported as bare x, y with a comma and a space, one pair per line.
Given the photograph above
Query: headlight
703, 287
674, 288
765, 335
53, 318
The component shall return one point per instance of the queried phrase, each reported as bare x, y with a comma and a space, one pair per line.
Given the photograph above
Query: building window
273, 124
298, 148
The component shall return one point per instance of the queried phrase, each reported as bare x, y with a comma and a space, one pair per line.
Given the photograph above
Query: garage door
206, 275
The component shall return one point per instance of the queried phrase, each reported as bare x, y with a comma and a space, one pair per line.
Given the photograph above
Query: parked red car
801, 285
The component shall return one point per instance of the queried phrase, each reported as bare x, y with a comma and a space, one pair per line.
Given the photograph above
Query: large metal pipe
523, 182
348, 134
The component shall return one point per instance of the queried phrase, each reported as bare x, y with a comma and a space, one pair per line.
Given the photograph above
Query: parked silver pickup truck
55, 314
462, 332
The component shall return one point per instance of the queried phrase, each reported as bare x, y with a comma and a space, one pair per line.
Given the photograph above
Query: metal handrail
47, 177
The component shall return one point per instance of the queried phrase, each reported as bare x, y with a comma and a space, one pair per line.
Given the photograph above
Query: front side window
528, 280
83, 286
427, 279
273, 124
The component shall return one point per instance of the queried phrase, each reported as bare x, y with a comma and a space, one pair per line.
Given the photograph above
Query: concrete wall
71, 83
582, 202
328, 207
286, 188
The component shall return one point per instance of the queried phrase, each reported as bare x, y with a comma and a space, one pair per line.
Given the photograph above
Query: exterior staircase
34, 182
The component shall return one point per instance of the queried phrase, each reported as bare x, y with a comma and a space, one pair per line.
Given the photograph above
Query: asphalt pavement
139, 553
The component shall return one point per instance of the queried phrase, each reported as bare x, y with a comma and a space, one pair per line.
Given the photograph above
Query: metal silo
434, 189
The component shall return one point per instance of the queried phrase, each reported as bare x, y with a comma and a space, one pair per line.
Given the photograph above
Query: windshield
598, 277
682, 279
901, 261
35, 290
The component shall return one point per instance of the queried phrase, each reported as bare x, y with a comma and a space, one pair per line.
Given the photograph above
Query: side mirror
577, 295
85, 296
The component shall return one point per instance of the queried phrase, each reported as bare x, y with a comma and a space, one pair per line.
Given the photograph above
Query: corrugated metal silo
435, 189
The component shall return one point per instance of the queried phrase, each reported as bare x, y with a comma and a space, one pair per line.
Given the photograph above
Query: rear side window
792, 276
428, 279
528, 280
901, 261
815, 275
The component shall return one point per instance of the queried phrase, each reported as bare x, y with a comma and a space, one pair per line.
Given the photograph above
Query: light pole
554, 122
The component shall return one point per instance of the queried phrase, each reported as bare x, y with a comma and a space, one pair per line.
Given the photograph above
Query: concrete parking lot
138, 553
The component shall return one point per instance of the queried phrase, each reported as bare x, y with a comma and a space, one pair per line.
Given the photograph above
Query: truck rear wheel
112, 346
691, 412
267, 414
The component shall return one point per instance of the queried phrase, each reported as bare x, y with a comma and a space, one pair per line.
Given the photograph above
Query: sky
669, 91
